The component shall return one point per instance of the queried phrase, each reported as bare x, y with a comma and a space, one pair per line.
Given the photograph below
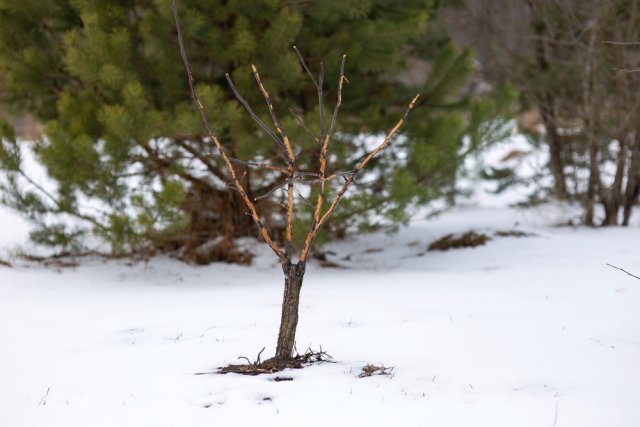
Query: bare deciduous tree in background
293, 267
574, 62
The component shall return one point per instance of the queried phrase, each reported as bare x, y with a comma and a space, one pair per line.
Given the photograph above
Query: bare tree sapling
292, 266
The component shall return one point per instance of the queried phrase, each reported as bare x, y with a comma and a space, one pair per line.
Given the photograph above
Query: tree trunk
556, 163
631, 198
610, 213
293, 274
592, 188
632, 191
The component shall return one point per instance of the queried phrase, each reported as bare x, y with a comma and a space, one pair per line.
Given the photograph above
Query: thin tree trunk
632, 191
592, 188
631, 198
555, 150
293, 275
613, 203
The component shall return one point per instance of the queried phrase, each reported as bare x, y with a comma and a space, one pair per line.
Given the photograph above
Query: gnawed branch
294, 272
282, 141
316, 227
214, 138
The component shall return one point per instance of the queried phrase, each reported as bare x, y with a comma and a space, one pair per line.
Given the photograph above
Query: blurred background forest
95, 92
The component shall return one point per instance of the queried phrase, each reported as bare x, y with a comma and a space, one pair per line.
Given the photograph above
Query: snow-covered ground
533, 331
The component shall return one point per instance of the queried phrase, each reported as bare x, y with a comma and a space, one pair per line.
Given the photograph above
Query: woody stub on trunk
292, 266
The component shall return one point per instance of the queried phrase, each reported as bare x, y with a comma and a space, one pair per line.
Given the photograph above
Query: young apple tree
292, 266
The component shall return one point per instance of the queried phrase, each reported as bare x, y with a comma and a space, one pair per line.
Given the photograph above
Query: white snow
533, 331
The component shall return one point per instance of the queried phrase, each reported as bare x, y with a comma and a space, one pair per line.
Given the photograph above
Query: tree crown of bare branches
289, 172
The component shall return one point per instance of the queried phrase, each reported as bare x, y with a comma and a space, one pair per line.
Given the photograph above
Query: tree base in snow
274, 365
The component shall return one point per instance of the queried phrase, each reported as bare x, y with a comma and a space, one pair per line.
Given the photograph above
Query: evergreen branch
216, 141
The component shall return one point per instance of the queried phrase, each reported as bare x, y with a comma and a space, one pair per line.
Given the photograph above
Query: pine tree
131, 159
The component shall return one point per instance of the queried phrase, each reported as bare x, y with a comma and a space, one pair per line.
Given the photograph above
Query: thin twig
623, 270
304, 199
43, 400
256, 164
274, 118
621, 43
306, 68
301, 123
258, 358
253, 115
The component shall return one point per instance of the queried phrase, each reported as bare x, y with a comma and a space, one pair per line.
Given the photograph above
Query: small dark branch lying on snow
623, 270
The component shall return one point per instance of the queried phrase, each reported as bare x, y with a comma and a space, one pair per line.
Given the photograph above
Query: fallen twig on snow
623, 270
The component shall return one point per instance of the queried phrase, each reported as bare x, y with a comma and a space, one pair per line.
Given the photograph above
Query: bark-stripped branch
291, 159
216, 141
274, 117
325, 140
282, 140
314, 231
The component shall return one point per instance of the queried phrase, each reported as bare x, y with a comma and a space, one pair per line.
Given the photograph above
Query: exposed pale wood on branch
282, 141
314, 231
326, 139
291, 159
216, 141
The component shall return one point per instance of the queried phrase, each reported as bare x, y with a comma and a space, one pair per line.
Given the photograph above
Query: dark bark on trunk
555, 149
613, 201
631, 198
632, 191
611, 214
293, 275
592, 188
549, 115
